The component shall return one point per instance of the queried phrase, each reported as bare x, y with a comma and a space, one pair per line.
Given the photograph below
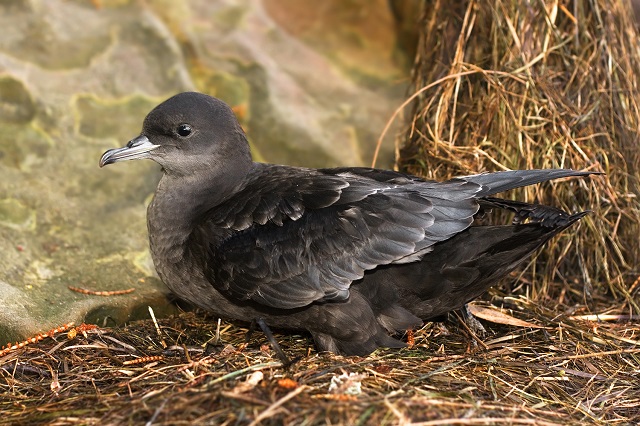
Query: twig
273, 407
155, 323
101, 293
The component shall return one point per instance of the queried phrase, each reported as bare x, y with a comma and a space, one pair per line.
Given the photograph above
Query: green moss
16, 104
16, 215
101, 118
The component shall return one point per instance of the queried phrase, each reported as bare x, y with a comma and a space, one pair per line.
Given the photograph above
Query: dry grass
503, 84
571, 372
521, 85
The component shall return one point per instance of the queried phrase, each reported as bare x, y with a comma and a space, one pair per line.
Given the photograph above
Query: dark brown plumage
353, 255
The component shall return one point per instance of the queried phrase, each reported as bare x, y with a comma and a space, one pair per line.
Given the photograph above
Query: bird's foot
286, 362
472, 322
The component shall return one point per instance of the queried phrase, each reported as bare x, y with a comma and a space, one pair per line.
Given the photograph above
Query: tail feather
493, 183
547, 216
462, 268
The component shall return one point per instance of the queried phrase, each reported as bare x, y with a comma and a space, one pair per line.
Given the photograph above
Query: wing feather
297, 236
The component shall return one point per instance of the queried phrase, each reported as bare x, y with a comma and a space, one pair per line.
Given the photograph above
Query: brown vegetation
565, 369
522, 85
504, 84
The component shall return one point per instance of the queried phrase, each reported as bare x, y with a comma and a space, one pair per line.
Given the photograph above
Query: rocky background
313, 84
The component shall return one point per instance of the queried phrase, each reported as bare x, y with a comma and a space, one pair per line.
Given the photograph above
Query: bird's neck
180, 203
185, 199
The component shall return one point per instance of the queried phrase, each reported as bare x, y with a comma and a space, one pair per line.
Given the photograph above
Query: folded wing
297, 236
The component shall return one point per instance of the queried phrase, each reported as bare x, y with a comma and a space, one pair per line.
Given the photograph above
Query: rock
77, 77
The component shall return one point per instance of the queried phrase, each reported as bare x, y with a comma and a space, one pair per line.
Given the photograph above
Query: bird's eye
184, 130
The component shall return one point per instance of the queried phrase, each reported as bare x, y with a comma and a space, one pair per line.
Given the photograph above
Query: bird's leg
274, 344
472, 325
475, 325
252, 328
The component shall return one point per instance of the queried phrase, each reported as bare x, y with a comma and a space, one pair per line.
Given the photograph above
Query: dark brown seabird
352, 255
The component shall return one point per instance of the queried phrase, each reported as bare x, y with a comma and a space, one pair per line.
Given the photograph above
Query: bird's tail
547, 216
493, 183
463, 267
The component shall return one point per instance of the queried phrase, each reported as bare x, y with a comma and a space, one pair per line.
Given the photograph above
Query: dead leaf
499, 317
251, 382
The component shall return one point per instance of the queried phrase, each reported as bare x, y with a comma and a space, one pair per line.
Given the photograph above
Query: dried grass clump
561, 370
533, 84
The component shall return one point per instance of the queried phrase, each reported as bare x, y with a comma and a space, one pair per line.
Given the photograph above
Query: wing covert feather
292, 238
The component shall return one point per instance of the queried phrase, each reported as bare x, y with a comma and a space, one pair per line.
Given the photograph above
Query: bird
353, 255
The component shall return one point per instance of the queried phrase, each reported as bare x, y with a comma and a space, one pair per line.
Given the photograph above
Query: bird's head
186, 134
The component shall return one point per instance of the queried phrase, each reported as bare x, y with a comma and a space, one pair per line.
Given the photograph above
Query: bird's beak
136, 149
